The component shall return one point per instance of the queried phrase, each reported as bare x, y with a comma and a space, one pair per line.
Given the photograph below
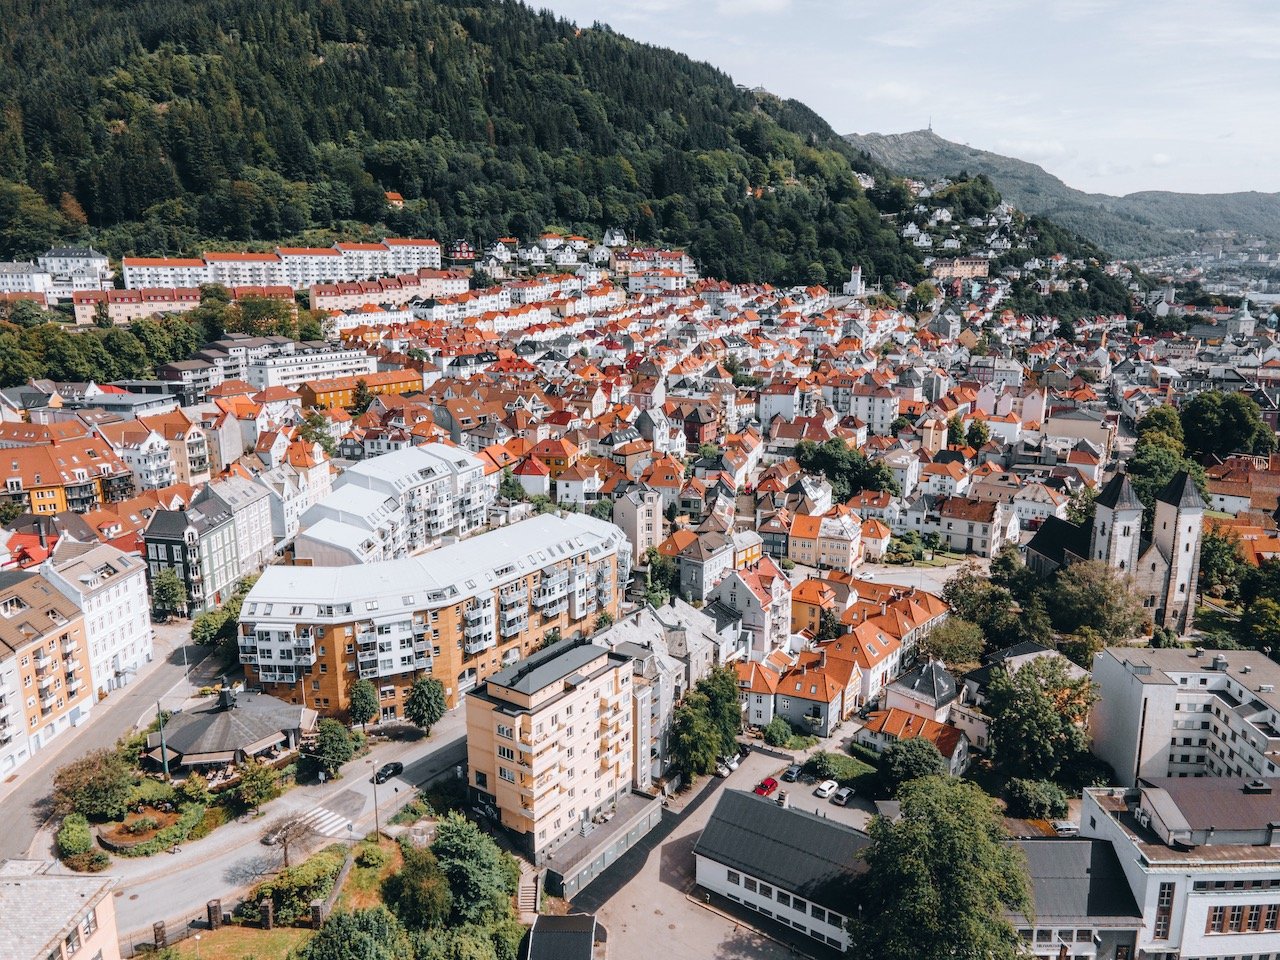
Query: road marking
325, 821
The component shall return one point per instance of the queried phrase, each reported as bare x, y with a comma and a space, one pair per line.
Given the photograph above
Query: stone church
1163, 569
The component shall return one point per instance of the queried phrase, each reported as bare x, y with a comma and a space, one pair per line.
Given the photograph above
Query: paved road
225, 864
25, 796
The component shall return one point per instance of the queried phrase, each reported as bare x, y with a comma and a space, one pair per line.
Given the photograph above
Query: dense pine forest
158, 127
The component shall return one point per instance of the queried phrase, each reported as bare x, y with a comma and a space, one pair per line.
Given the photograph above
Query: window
817, 912
1164, 911
766, 891
507, 775
90, 923
506, 753
72, 943
1216, 919
482, 780
784, 899
733, 877
749, 885
505, 731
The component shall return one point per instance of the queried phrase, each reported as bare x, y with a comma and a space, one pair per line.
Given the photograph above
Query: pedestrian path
332, 818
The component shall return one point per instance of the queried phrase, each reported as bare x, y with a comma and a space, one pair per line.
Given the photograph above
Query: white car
825, 789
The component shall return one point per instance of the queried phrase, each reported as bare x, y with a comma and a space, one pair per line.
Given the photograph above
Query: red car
767, 786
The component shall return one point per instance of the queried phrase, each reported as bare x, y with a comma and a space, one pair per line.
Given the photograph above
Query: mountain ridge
1140, 223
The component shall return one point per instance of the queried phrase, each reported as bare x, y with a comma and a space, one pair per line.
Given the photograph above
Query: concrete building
110, 587
52, 916
308, 362
639, 514
1202, 861
549, 742
250, 506
461, 613
1186, 713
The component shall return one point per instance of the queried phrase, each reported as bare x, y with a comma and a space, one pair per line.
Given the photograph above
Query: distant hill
151, 126
1148, 222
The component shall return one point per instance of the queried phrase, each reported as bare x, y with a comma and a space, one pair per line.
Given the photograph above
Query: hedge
74, 836
170, 835
293, 889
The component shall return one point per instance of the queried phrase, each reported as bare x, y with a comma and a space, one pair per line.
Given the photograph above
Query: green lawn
243, 943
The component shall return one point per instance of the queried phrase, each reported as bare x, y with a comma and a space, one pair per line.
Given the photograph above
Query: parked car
842, 796
767, 786
722, 770
388, 770
271, 838
1065, 828
825, 789
731, 762
792, 773
781, 798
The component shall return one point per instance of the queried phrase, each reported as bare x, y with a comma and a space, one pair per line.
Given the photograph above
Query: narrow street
24, 797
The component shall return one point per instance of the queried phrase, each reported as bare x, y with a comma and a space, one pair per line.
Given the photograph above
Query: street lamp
377, 825
197, 946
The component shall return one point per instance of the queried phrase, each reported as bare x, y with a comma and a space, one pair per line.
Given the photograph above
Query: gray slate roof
797, 851
1078, 879
930, 682
255, 717
562, 938
1118, 494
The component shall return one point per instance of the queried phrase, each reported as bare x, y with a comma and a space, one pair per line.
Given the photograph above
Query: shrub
92, 861
369, 855
99, 785
141, 825
787, 564
293, 889
822, 765
1035, 799
74, 836
152, 793
195, 789
176, 832
214, 817
777, 733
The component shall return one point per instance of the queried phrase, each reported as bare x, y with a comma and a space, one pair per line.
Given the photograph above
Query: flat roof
549, 666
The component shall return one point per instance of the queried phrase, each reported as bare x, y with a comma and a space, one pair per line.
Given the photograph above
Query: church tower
1117, 525
1179, 524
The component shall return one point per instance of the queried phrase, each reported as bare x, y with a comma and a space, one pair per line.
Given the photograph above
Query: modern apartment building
62, 916
460, 613
110, 587
308, 362
48, 690
1202, 859
549, 741
1186, 713
397, 504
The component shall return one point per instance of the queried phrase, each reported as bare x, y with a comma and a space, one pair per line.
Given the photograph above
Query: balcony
514, 598
69, 648
48, 701
46, 681
514, 626
43, 660
479, 644
75, 686
476, 613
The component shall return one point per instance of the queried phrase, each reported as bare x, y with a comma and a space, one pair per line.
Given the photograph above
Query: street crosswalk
326, 822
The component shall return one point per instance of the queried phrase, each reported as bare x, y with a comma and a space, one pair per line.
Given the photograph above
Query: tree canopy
1037, 717
940, 879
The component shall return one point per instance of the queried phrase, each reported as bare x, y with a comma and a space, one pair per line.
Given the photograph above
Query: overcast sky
1110, 95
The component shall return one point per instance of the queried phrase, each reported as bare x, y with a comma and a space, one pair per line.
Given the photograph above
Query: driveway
642, 899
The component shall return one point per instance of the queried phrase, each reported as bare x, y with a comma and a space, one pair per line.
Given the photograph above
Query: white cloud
1033, 150
729, 8
1161, 159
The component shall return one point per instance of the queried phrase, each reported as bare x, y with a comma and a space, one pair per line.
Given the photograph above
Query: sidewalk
110, 718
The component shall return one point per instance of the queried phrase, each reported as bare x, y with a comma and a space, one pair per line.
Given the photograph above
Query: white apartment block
110, 588
164, 272
19, 277
460, 613
1186, 713
549, 742
250, 507
245, 269
396, 505
15, 744
407, 255
294, 369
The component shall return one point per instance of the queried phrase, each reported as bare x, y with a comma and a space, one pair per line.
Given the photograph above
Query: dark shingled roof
797, 851
1118, 494
1181, 492
562, 938
1057, 537
930, 681
1078, 879
255, 717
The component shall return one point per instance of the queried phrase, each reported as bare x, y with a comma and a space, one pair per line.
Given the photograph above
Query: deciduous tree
940, 880
97, 785
1037, 717
363, 703
426, 703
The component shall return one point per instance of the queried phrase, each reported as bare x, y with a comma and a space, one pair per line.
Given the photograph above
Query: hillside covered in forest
154, 127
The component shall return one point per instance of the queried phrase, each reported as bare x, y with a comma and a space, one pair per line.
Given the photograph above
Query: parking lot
800, 796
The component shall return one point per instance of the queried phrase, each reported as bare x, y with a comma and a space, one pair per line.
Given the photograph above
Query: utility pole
377, 823
164, 750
